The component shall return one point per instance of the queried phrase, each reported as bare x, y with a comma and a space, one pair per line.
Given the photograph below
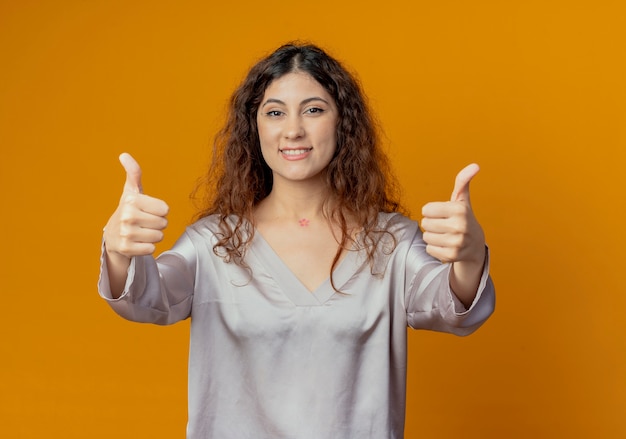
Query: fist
139, 220
451, 231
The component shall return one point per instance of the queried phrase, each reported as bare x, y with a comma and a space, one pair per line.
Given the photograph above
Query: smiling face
297, 122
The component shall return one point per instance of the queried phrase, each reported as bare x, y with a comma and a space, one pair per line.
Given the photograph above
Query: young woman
301, 275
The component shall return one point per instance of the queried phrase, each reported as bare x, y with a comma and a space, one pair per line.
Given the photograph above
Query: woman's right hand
135, 227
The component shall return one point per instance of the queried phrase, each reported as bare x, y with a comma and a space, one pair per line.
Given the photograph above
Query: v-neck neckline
291, 285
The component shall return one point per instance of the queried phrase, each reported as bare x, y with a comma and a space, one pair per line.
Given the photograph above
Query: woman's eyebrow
272, 101
314, 98
304, 102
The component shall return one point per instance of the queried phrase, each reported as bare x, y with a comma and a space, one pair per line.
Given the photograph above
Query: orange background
534, 91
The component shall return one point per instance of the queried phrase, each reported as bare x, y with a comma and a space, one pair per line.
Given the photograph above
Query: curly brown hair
358, 177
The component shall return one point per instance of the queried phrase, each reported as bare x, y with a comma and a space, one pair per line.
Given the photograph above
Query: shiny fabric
269, 359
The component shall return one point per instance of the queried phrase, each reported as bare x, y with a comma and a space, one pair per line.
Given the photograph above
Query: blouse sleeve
430, 302
157, 291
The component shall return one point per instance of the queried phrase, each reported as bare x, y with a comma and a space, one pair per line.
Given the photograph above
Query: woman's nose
293, 127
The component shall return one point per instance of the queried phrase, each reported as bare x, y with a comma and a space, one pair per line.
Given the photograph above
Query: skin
453, 235
134, 228
297, 122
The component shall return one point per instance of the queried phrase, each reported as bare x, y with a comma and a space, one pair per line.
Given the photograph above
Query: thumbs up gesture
452, 234
139, 220
451, 231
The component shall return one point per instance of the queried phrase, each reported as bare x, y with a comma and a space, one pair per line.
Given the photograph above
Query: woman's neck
300, 202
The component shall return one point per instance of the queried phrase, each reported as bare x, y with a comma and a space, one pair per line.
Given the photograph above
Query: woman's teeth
295, 151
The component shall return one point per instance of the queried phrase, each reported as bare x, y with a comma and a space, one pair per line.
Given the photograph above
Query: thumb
461, 184
133, 173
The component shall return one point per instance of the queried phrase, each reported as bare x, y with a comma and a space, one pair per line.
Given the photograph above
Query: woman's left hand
453, 235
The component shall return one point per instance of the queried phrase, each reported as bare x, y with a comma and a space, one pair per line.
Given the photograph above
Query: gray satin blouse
269, 359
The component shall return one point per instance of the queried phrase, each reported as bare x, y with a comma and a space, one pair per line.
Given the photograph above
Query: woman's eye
314, 110
273, 113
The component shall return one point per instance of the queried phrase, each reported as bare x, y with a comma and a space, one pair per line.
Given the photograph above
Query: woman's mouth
297, 153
